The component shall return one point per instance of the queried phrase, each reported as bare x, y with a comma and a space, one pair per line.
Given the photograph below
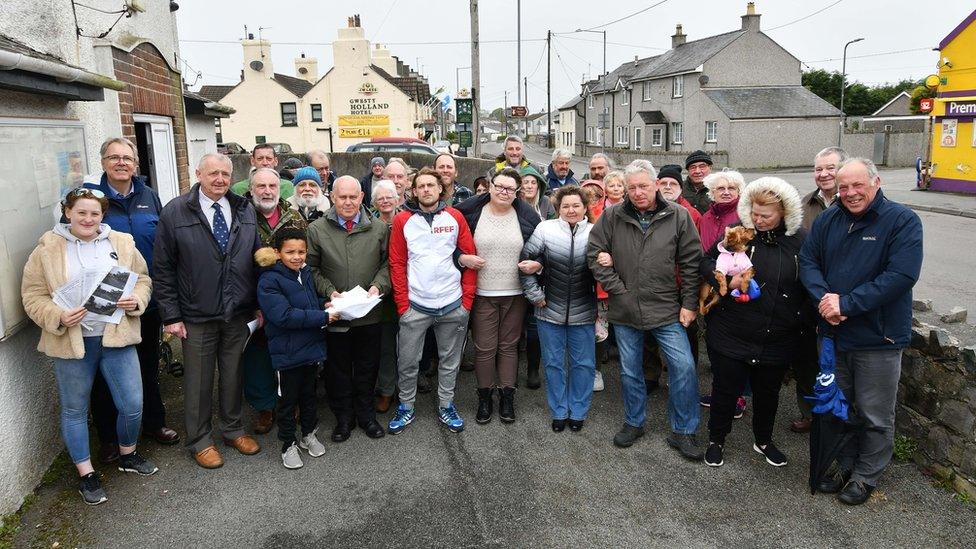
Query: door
156, 135
638, 138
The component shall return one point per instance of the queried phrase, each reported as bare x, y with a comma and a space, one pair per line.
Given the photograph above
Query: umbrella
827, 397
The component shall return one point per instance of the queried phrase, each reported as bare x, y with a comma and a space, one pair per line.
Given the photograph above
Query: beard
307, 202
264, 205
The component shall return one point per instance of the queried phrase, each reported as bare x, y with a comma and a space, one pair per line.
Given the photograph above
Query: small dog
731, 261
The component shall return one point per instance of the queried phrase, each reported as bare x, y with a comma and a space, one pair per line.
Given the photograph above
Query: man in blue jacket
133, 208
860, 261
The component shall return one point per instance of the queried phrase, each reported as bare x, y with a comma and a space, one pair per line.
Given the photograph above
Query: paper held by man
98, 291
354, 303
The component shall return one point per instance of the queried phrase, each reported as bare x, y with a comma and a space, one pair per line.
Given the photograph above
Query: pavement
518, 485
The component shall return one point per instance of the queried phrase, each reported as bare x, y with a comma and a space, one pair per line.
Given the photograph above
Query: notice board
42, 160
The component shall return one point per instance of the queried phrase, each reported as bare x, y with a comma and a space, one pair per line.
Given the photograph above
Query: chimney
678, 37
750, 21
307, 68
635, 60
257, 58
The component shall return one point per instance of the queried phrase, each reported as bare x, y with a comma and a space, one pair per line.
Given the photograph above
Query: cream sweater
499, 242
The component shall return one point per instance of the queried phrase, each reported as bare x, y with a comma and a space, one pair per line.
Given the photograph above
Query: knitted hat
292, 164
698, 156
670, 170
377, 160
307, 172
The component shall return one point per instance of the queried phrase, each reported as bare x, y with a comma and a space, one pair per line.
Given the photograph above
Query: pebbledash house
737, 92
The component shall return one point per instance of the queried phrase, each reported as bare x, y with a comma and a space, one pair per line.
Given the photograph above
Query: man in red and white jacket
429, 244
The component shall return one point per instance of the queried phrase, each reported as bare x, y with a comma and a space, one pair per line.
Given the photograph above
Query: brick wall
152, 89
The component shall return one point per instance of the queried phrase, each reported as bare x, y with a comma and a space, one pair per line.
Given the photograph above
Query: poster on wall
949, 126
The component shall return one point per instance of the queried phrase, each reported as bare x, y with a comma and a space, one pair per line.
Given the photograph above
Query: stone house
367, 93
895, 115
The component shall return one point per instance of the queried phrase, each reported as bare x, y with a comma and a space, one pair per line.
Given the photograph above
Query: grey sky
412, 29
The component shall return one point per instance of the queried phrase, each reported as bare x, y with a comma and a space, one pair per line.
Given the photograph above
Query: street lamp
604, 33
457, 78
843, 84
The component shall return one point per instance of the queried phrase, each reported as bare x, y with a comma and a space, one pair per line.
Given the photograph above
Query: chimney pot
679, 37
750, 21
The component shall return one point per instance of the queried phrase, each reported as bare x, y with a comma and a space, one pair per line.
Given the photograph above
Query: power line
564, 35
805, 16
626, 16
563, 65
892, 52
440, 43
385, 17
538, 64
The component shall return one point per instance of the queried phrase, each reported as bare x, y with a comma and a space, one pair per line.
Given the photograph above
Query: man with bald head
346, 248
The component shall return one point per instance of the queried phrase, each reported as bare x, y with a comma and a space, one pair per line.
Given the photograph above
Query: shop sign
961, 108
364, 120
359, 132
368, 89
366, 106
925, 104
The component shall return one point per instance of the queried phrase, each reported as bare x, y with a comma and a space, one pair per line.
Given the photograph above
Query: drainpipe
63, 73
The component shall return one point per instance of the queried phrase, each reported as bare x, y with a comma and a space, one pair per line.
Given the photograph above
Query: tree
498, 114
918, 93
859, 99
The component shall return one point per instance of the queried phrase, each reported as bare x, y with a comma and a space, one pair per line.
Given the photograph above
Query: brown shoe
244, 444
383, 403
165, 436
264, 422
209, 458
801, 425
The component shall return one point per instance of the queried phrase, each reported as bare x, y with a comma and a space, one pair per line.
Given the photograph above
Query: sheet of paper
354, 303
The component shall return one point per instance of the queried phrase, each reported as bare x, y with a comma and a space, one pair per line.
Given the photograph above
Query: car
444, 146
394, 144
483, 139
231, 148
281, 148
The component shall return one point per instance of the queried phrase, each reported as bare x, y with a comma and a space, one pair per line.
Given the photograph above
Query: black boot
506, 405
484, 406
533, 356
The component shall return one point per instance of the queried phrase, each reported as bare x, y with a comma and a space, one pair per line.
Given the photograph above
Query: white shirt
207, 206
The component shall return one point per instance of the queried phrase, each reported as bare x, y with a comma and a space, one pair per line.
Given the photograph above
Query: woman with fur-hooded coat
756, 340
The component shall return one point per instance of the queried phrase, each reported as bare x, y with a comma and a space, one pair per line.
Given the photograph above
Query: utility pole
525, 81
475, 80
549, 89
518, 42
505, 115
843, 84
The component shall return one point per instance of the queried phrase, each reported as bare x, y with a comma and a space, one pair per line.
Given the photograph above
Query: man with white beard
273, 214
309, 200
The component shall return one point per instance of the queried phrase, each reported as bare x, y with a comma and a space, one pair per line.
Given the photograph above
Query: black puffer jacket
566, 283
528, 219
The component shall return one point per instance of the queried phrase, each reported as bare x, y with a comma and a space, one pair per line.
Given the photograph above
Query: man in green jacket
634, 251
347, 248
264, 156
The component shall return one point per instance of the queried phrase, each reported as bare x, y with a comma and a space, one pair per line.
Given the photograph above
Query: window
316, 112
218, 130
638, 138
646, 91
625, 98
677, 86
622, 135
657, 137
711, 131
589, 101
589, 134
887, 127
289, 114
677, 133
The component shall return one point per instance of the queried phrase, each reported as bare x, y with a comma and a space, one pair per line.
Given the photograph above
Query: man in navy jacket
860, 261
133, 208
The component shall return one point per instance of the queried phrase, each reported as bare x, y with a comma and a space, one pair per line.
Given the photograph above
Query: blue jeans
682, 378
120, 368
574, 346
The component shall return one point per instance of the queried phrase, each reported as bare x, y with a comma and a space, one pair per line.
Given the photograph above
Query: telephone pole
518, 41
549, 89
475, 81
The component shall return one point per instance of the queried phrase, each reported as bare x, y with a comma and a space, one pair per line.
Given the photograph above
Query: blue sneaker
403, 417
450, 418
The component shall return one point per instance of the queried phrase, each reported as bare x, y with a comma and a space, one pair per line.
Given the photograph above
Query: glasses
505, 190
116, 158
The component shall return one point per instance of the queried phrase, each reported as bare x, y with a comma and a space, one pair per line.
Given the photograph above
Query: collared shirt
355, 219
116, 194
823, 199
206, 204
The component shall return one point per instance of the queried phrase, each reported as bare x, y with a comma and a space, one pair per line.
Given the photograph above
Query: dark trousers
354, 358
296, 389
729, 377
806, 366
103, 409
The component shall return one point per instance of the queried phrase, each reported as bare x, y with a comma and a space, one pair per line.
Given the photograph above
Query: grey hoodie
94, 255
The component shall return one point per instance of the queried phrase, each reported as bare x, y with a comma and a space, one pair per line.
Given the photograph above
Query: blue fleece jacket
293, 316
136, 214
872, 262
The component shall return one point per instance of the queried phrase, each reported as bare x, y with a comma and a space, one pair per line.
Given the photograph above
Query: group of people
568, 266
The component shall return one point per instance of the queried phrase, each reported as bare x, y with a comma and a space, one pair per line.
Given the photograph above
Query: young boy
294, 320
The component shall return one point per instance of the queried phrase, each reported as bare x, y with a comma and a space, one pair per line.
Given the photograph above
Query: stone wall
937, 401
622, 157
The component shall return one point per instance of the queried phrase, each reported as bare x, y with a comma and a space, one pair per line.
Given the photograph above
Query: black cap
670, 170
698, 156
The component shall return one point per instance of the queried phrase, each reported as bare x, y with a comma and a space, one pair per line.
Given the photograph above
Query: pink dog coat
731, 263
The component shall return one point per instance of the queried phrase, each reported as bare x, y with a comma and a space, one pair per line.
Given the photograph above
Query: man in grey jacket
204, 282
634, 251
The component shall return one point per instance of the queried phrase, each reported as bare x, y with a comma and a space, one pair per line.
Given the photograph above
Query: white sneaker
291, 459
311, 444
598, 382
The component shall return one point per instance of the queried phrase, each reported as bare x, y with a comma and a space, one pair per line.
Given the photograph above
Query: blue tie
220, 231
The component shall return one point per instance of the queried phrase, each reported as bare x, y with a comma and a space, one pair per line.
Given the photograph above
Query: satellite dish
256, 65
703, 79
303, 70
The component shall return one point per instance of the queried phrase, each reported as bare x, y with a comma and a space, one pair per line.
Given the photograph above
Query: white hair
316, 153
841, 153
605, 159
640, 166
384, 185
730, 176
121, 141
256, 171
870, 166
217, 156
561, 153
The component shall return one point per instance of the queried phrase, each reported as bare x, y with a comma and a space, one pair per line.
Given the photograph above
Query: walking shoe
686, 445
403, 417
291, 458
264, 422
833, 482
558, 425
598, 382
626, 436
855, 492
485, 406
383, 403
90, 488
134, 463
506, 405
311, 444
713, 455
705, 401
740, 407
451, 419
575, 425
773, 456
